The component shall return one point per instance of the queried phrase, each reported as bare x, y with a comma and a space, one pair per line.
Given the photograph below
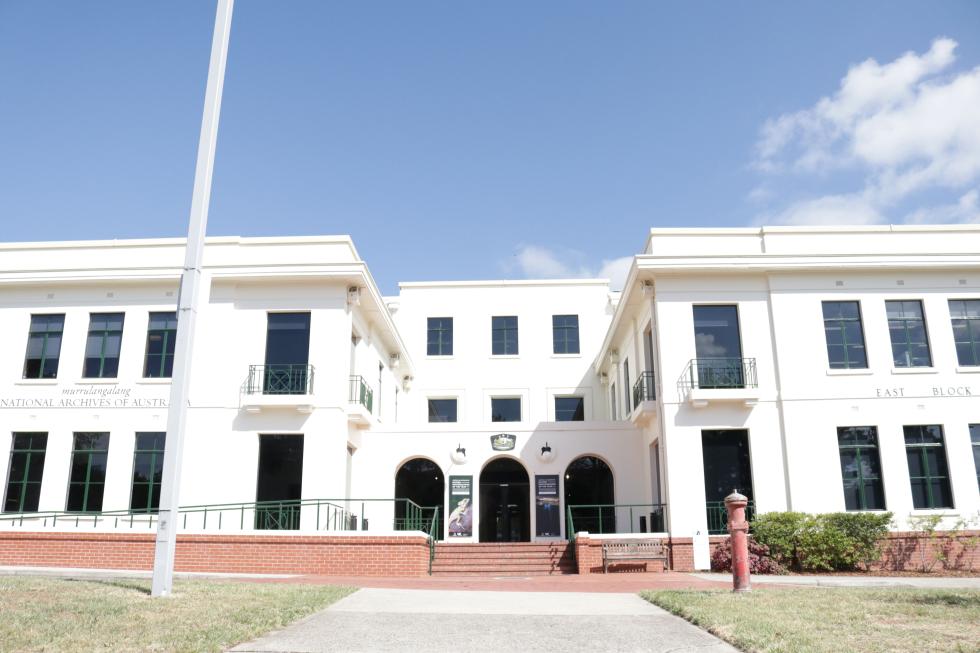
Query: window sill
914, 370
566, 355
36, 382
861, 371
505, 356
154, 381
439, 357
965, 369
97, 382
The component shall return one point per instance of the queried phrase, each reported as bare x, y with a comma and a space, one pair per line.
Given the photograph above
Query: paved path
375, 619
933, 582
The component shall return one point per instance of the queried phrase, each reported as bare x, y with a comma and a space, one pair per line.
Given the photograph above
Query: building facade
812, 369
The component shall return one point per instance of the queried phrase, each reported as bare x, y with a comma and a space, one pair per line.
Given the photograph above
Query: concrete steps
503, 559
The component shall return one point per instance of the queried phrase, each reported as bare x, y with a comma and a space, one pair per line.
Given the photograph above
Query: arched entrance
421, 481
505, 502
589, 482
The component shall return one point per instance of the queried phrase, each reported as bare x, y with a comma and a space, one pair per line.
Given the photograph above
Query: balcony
278, 386
721, 379
360, 402
644, 398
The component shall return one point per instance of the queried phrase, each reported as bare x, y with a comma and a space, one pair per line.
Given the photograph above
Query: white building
814, 369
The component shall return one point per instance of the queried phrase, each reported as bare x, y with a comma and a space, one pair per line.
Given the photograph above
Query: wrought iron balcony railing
644, 389
716, 373
361, 393
718, 516
279, 380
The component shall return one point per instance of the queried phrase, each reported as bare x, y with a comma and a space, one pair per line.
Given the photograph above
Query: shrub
827, 542
760, 561
780, 531
865, 531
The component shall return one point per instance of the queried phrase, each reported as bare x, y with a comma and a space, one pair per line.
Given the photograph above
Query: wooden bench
616, 550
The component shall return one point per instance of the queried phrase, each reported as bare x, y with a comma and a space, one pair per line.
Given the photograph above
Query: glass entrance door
505, 505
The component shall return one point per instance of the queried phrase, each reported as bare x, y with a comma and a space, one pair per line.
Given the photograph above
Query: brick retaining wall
263, 554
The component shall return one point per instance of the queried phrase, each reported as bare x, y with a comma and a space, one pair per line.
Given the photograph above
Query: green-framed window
439, 340
965, 317
569, 409
43, 346
928, 468
25, 471
860, 467
564, 330
975, 441
504, 335
845, 335
907, 328
88, 470
103, 345
161, 337
147, 471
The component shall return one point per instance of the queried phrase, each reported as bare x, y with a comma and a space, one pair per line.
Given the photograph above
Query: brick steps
503, 559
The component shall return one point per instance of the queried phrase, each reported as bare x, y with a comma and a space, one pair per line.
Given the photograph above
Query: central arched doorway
505, 502
421, 481
589, 482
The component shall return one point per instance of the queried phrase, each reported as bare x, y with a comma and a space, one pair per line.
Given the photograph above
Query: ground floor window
727, 467
420, 481
25, 471
925, 452
280, 482
88, 470
860, 468
147, 472
589, 490
975, 439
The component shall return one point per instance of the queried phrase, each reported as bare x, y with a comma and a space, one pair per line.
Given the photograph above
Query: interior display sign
548, 505
460, 506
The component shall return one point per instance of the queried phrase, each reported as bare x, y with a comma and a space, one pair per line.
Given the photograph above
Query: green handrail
433, 534
604, 517
718, 516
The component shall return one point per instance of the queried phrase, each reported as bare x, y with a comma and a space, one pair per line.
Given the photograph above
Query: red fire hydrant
738, 529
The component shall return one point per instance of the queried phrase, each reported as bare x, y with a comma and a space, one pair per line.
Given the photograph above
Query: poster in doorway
548, 506
461, 506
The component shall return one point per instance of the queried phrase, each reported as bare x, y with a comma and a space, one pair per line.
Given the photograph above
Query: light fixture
353, 296
546, 455
459, 456
407, 383
614, 356
603, 378
394, 361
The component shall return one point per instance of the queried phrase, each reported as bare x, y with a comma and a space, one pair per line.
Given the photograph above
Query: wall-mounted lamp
353, 296
407, 383
648, 288
614, 356
546, 455
459, 456
394, 361
604, 379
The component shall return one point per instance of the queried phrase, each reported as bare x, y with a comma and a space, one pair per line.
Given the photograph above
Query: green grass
833, 620
50, 614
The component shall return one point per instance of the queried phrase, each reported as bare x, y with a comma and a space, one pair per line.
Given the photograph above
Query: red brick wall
588, 557
911, 551
264, 554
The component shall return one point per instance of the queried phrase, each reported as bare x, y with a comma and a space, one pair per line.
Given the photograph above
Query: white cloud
966, 210
900, 128
535, 262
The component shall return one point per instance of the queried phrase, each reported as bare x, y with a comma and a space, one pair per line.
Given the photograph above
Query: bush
827, 542
760, 561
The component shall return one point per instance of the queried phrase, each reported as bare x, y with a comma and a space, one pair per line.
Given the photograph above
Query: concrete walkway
937, 582
376, 619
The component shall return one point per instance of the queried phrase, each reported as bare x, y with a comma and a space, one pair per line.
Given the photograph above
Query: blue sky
489, 140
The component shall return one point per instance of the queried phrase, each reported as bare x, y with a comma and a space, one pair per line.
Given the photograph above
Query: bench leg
604, 566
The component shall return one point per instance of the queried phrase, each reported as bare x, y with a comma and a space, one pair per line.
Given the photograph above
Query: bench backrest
633, 546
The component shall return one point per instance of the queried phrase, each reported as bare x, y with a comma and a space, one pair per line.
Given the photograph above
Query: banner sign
503, 441
548, 505
460, 506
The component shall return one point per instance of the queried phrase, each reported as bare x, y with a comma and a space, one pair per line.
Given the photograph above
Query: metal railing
715, 373
718, 516
361, 393
644, 389
435, 533
614, 518
279, 380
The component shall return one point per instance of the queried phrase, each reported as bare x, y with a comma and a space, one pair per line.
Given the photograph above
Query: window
907, 327
860, 467
626, 386
25, 471
845, 336
287, 354
280, 483
505, 409
718, 348
147, 472
102, 346
564, 330
161, 336
965, 314
442, 410
43, 346
928, 471
440, 337
975, 439
612, 402
569, 409
504, 337
88, 465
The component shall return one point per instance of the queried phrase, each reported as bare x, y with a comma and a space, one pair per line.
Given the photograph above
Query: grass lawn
52, 614
838, 619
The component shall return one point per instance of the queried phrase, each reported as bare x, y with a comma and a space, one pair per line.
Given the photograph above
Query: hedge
826, 542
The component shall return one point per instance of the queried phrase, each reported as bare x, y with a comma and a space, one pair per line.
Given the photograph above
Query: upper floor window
965, 314
147, 471
845, 336
25, 472
103, 345
928, 469
43, 346
907, 327
860, 467
442, 410
569, 409
504, 337
440, 336
161, 337
565, 334
505, 409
